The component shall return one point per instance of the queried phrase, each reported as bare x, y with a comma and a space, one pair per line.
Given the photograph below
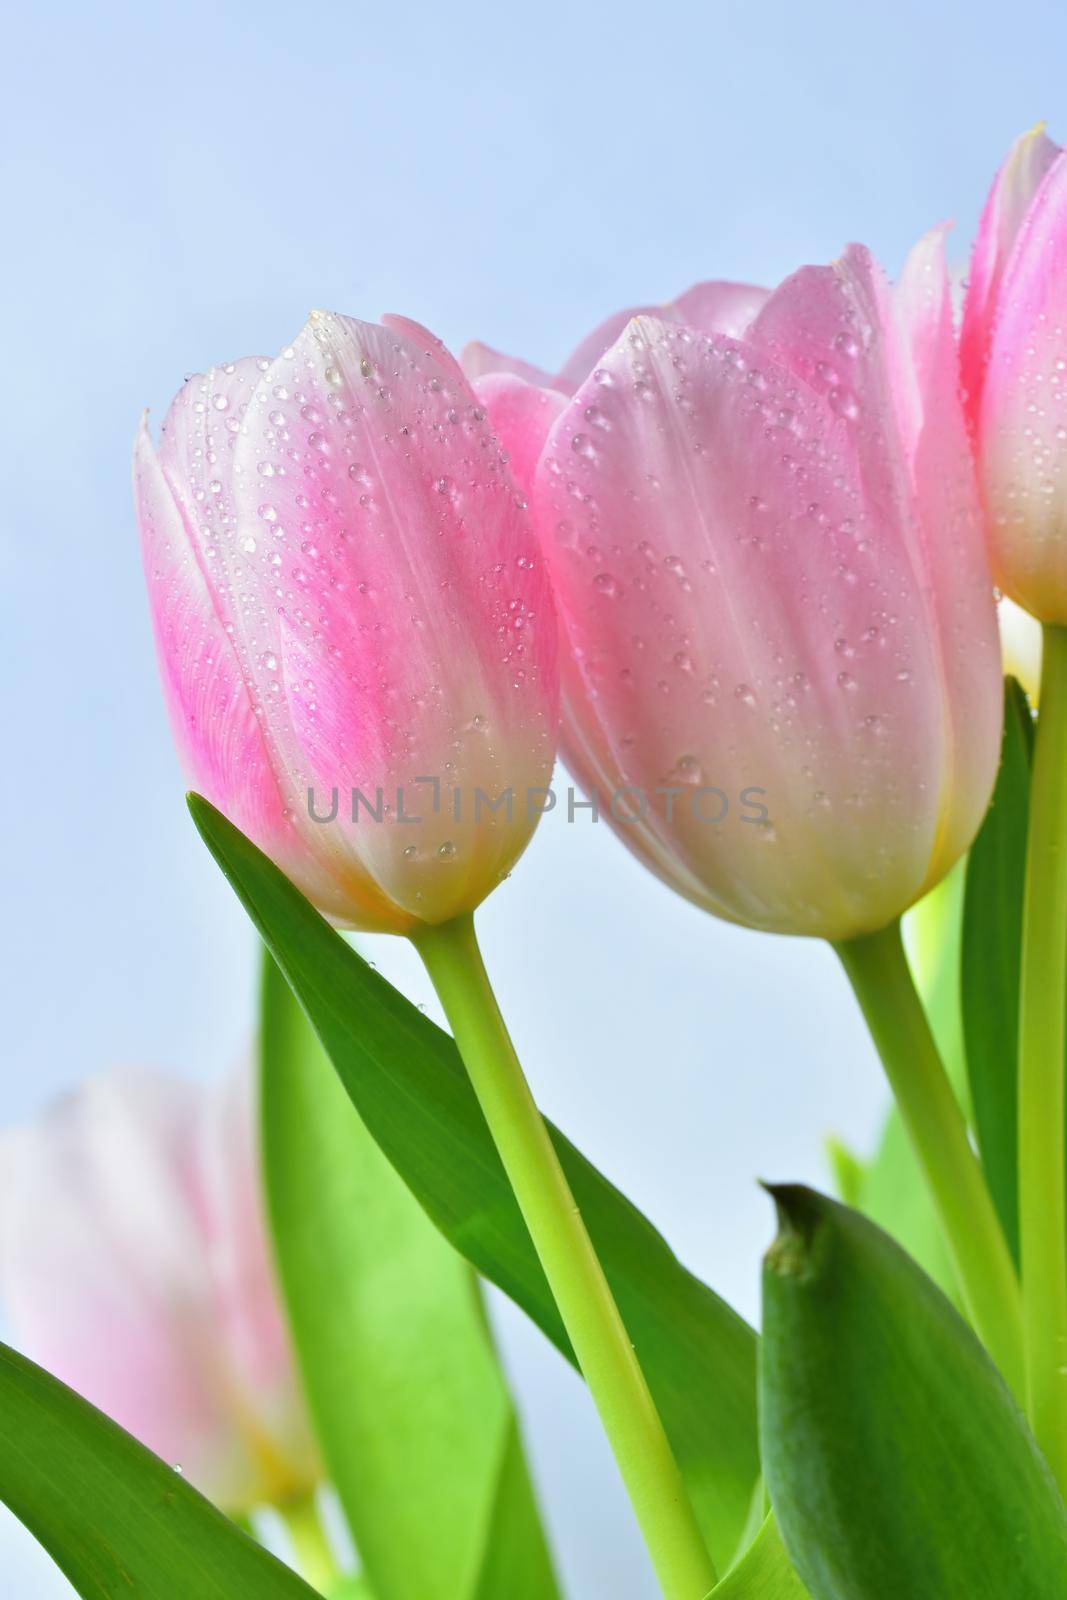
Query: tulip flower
134, 1265
353, 624
782, 678
348, 593
1014, 367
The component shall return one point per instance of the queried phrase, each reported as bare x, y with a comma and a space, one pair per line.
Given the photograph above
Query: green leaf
119, 1522
895, 1195
764, 1572
992, 941
897, 1461
407, 1083
410, 1407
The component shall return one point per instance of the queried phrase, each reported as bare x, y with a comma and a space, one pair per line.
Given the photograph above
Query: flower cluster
739, 558
760, 523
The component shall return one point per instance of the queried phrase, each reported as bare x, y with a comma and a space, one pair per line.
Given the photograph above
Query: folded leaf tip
801, 1212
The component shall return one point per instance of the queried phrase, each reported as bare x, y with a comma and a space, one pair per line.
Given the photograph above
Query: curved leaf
115, 1518
897, 1461
992, 948
764, 1572
410, 1406
404, 1076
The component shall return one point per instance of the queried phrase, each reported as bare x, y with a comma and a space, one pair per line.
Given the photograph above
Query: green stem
880, 975
601, 1343
312, 1552
1042, 997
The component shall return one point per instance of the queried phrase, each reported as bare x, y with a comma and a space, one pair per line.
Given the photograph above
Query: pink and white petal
198, 439
262, 1383
1014, 188
427, 341
522, 417
581, 363
718, 307
481, 361
738, 620
955, 562
402, 571
1022, 421
833, 327
101, 1267
219, 737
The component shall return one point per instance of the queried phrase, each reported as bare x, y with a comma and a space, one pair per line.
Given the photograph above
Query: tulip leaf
895, 1195
404, 1075
117, 1520
897, 1461
410, 1406
764, 1572
990, 963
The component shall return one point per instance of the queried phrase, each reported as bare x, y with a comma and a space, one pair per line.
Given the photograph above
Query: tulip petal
218, 736
250, 1329
886, 364
832, 327
212, 713
580, 363
522, 417
952, 558
710, 483
713, 307
718, 307
481, 361
1013, 191
1022, 422
99, 1260
427, 341
134, 1264
396, 608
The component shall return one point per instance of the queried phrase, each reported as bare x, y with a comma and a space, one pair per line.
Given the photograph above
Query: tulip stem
880, 975
1042, 997
312, 1553
600, 1341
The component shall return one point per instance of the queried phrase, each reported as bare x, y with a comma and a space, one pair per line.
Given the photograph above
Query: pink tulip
134, 1265
352, 617
1014, 365
768, 560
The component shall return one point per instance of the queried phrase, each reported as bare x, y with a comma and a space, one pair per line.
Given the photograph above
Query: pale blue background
181, 184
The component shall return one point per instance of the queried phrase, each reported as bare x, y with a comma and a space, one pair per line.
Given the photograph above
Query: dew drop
844, 402
687, 769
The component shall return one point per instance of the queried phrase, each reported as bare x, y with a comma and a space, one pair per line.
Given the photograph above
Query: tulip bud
355, 633
1014, 367
783, 680
134, 1265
